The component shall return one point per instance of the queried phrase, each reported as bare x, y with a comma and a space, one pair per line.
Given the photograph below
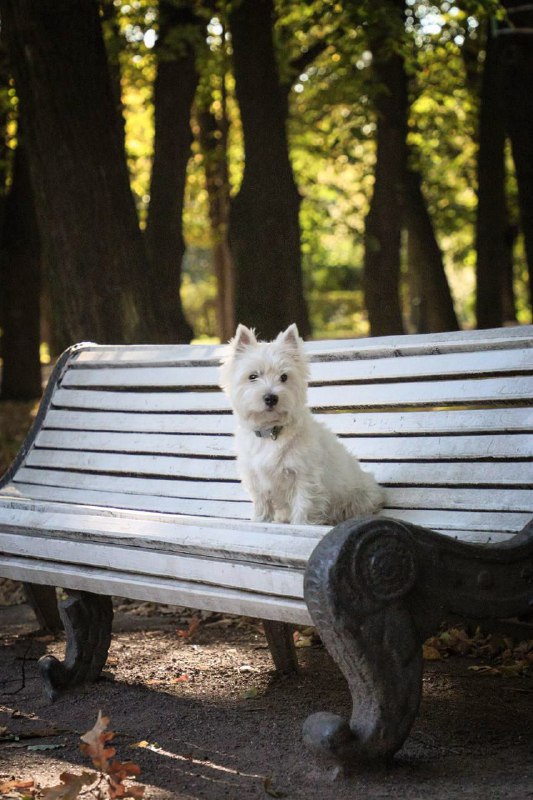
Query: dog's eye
253, 377
283, 377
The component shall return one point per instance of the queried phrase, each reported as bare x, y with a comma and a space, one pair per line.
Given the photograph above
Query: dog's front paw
262, 517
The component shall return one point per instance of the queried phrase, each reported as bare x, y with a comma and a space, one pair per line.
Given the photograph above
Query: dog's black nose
270, 400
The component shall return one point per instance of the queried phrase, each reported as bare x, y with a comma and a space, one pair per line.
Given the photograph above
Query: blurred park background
170, 168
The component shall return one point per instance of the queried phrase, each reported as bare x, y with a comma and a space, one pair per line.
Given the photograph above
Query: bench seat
127, 482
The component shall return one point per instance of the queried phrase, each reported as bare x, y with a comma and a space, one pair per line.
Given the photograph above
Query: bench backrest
443, 421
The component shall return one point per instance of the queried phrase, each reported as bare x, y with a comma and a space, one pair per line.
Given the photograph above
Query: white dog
293, 467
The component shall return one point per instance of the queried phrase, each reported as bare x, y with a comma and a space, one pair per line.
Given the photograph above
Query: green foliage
198, 292
326, 65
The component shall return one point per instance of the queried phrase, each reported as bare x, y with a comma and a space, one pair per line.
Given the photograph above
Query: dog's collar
269, 433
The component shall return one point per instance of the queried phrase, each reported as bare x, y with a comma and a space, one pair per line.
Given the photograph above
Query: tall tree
21, 282
385, 31
515, 58
491, 226
436, 309
98, 271
174, 90
5, 153
264, 229
213, 135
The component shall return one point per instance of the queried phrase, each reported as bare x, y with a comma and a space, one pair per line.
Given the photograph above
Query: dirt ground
216, 722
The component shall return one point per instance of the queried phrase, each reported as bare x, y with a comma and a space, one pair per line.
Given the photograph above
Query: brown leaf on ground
94, 745
194, 624
15, 785
118, 772
70, 786
505, 657
431, 653
95, 741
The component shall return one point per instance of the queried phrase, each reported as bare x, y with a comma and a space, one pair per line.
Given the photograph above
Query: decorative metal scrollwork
384, 563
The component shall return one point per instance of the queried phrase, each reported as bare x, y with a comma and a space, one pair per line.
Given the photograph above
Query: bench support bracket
376, 589
87, 619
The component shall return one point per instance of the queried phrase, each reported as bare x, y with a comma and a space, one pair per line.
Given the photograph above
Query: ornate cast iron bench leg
281, 644
43, 601
376, 589
87, 619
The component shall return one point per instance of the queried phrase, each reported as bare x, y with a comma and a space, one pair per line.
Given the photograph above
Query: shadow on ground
216, 722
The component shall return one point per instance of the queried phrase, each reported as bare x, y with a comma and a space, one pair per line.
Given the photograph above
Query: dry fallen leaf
92, 737
303, 641
194, 624
70, 786
14, 784
118, 772
430, 653
94, 744
505, 656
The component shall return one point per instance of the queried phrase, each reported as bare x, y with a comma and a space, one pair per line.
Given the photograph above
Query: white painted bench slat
156, 589
481, 420
392, 448
497, 497
454, 473
203, 468
404, 498
384, 347
463, 391
142, 502
424, 393
209, 469
492, 523
274, 580
322, 372
216, 490
229, 539
139, 422
504, 522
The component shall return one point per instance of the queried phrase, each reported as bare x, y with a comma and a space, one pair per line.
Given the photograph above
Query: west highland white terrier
294, 468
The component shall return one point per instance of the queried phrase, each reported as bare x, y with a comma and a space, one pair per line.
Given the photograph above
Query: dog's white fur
304, 474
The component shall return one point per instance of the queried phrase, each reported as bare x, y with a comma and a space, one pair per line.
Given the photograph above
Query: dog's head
266, 382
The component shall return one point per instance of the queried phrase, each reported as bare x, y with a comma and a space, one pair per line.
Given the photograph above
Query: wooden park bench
127, 485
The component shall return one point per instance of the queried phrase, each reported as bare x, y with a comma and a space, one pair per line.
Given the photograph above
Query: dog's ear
290, 337
244, 337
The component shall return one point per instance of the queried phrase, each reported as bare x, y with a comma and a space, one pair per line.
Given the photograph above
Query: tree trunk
115, 44
264, 230
384, 220
20, 268
418, 322
213, 141
491, 227
4, 152
434, 290
515, 58
98, 272
509, 299
174, 90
